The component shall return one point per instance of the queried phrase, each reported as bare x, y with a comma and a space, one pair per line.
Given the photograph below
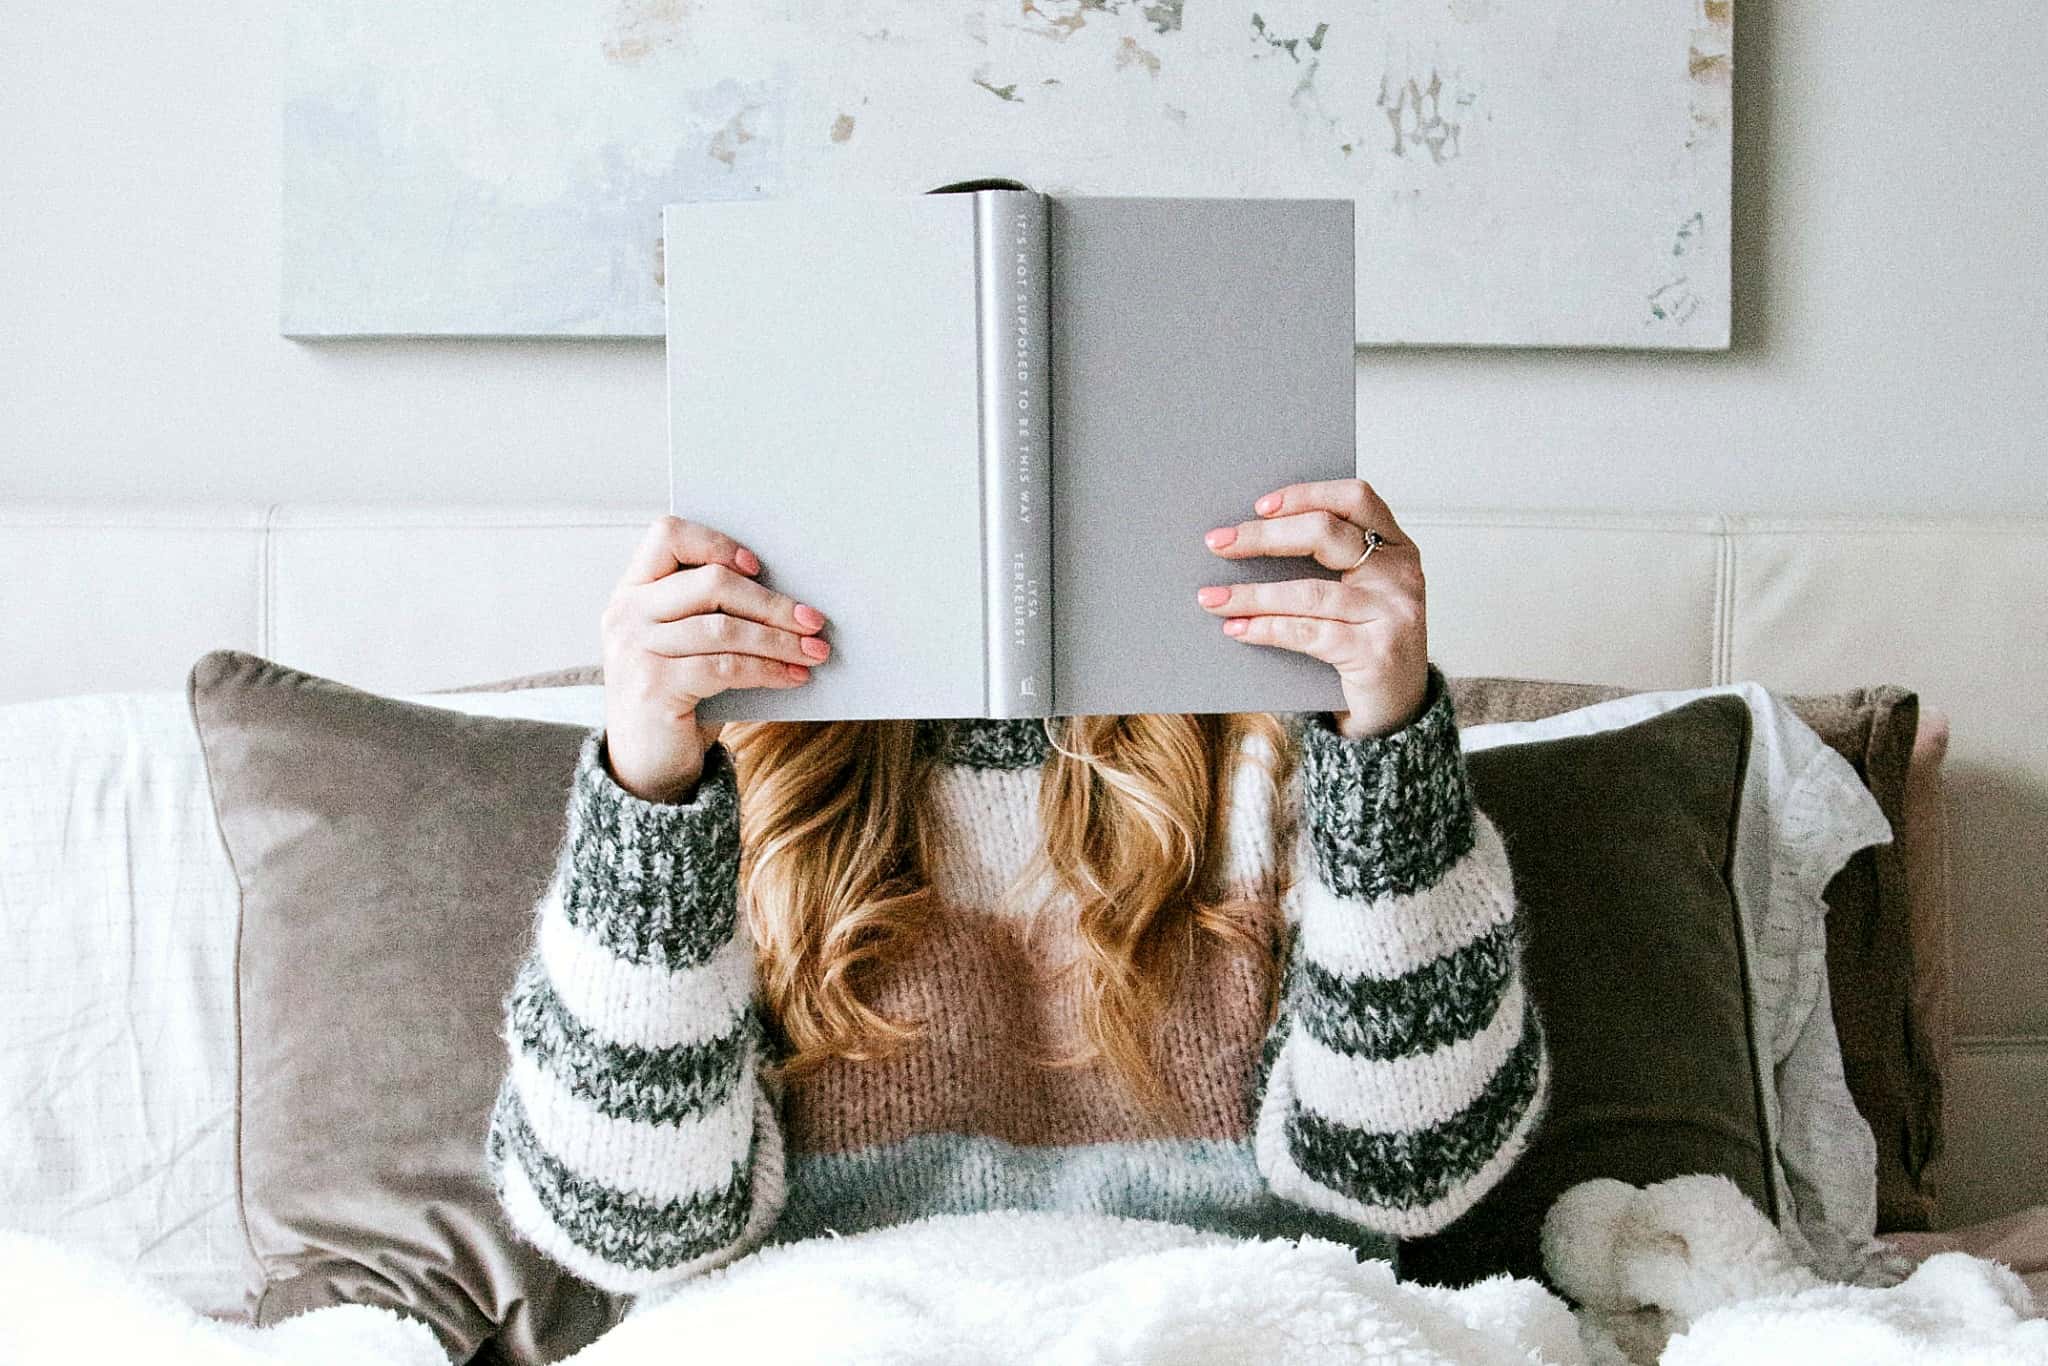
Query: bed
102, 599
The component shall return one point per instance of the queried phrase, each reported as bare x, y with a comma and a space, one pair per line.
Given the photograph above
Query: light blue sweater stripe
1207, 1183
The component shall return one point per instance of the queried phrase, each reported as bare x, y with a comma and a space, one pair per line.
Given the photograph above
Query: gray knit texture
654, 882
652, 1085
1388, 814
1408, 1168
985, 742
1445, 1001
1418, 1166
622, 1228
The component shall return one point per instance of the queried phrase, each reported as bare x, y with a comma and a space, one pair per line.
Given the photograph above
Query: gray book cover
829, 397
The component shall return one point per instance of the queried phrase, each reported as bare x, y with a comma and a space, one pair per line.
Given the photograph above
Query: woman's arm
1406, 1071
633, 1140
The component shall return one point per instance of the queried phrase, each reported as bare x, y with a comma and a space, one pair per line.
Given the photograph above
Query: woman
1248, 973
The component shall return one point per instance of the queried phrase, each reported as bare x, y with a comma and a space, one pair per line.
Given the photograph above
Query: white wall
1891, 307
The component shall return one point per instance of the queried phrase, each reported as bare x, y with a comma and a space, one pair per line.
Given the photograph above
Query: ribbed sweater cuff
1387, 815
654, 882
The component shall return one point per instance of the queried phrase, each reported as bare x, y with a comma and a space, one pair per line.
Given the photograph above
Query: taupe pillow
576, 676
1621, 844
1881, 966
389, 857
1887, 915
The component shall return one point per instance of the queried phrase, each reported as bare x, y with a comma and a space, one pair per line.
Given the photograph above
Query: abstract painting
1541, 173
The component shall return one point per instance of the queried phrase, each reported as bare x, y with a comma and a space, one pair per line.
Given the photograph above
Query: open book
984, 433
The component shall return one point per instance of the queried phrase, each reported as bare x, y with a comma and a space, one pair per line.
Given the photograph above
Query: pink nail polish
747, 561
799, 673
1268, 503
808, 617
1213, 597
1221, 537
814, 647
1235, 626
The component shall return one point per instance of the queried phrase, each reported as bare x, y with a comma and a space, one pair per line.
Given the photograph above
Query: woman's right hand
687, 620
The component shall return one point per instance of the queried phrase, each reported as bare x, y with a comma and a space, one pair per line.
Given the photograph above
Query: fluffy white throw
63, 1306
1069, 1289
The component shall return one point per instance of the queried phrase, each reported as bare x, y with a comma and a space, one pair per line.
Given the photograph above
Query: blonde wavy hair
837, 846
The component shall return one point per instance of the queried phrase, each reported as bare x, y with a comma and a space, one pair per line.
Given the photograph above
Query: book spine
1016, 450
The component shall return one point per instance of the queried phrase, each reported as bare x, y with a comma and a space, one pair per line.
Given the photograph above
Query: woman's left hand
1370, 623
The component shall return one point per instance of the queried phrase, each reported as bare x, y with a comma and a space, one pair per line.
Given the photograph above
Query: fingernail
815, 648
809, 617
747, 561
799, 673
1234, 627
1268, 503
1213, 597
1221, 537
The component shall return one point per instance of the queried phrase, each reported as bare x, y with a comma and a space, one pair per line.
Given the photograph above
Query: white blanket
63, 1306
1954, 1309
1069, 1289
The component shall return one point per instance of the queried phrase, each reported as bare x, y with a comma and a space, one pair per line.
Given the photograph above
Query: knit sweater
637, 1139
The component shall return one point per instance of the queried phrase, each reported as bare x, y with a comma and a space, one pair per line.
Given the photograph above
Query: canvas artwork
1542, 173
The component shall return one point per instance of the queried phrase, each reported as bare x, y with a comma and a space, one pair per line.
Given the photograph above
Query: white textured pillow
117, 1104
119, 911
1804, 813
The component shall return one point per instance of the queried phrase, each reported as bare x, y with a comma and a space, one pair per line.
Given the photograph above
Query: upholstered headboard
113, 598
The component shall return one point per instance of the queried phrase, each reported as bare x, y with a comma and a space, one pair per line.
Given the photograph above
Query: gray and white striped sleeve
1407, 1071
633, 1140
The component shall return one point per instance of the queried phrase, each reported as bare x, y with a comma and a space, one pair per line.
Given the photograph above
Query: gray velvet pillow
1622, 845
389, 857
1886, 919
